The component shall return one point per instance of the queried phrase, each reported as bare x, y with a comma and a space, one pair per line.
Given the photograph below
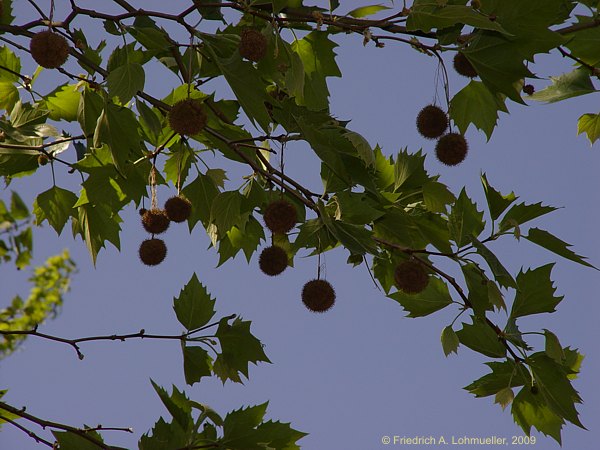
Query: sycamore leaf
436, 196
63, 103
126, 81
238, 348
56, 206
553, 348
590, 125
495, 296
504, 374
427, 15
535, 292
522, 213
194, 307
365, 11
96, 225
529, 409
504, 397
502, 276
554, 244
480, 337
201, 192
465, 221
449, 340
435, 297
476, 104
572, 84
196, 364
71, 441
177, 404
497, 202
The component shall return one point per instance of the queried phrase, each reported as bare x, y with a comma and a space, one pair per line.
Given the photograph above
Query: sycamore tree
253, 84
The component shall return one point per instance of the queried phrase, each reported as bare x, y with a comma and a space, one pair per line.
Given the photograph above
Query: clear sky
361, 371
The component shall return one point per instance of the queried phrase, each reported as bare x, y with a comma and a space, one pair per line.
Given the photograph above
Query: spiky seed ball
253, 45
529, 89
153, 251
463, 66
432, 122
187, 117
280, 216
410, 277
451, 149
49, 49
43, 160
178, 209
273, 260
318, 295
155, 221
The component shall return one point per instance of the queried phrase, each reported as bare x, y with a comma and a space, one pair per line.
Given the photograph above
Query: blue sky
361, 371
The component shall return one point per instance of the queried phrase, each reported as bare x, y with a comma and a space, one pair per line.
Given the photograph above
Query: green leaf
502, 276
241, 422
553, 348
504, 374
535, 292
244, 80
63, 103
165, 436
177, 404
432, 299
426, 15
530, 409
56, 206
588, 124
12, 62
555, 387
150, 123
209, 12
495, 296
226, 211
585, 42
480, 337
238, 348
449, 340
9, 95
18, 208
568, 85
497, 202
356, 238
522, 213
118, 128
465, 222
126, 81
317, 55
436, 196
409, 170
477, 282
504, 397
196, 364
202, 192
365, 11
71, 441
555, 245
194, 307
97, 224
476, 104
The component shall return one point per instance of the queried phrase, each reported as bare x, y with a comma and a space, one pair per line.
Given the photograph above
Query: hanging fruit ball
178, 209
273, 260
253, 45
155, 221
152, 251
463, 66
451, 149
432, 122
49, 49
280, 216
187, 117
410, 277
318, 296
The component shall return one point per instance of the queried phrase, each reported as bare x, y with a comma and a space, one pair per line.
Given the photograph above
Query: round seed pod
273, 260
187, 117
178, 209
410, 277
155, 221
529, 89
432, 122
451, 149
49, 49
318, 296
280, 216
253, 45
43, 160
152, 251
463, 66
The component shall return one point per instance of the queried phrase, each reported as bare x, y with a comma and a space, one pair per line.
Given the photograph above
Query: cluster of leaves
382, 209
